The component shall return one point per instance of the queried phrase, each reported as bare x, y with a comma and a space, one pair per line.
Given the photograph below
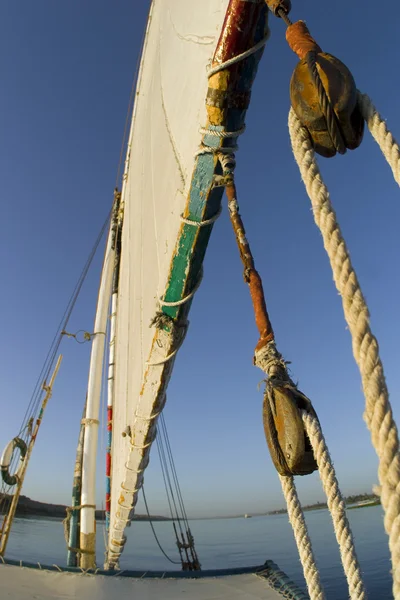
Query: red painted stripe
108, 464
109, 418
238, 30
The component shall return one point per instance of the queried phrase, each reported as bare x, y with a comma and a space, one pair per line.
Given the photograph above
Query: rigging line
173, 468
168, 479
174, 476
49, 360
174, 562
179, 495
180, 500
171, 487
164, 479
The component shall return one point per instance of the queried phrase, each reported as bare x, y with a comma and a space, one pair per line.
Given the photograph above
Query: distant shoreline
32, 508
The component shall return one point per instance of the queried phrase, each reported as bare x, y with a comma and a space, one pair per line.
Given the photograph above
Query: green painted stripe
204, 200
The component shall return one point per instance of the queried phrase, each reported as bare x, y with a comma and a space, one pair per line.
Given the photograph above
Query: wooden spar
227, 102
91, 421
117, 234
5, 532
251, 275
74, 522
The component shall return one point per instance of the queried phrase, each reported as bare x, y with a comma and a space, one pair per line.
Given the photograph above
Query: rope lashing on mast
66, 525
378, 412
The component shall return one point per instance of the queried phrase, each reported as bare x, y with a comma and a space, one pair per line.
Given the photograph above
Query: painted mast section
228, 97
21, 476
117, 233
73, 513
91, 420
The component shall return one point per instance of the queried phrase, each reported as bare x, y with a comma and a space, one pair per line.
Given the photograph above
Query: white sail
169, 111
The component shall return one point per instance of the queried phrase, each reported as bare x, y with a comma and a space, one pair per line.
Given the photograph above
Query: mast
91, 420
5, 532
73, 513
117, 232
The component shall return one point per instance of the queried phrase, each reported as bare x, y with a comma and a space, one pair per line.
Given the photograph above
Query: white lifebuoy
6, 457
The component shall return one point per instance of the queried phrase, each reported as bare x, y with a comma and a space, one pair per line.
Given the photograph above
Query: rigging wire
50, 358
185, 541
170, 486
174, 562
34, 403
173, 468
164, 477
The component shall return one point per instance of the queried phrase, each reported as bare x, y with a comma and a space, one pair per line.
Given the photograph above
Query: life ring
6, 457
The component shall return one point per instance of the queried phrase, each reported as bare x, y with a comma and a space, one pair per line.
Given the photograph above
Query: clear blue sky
66, 73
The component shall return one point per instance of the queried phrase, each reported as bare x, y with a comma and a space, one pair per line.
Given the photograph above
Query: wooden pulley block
323, 94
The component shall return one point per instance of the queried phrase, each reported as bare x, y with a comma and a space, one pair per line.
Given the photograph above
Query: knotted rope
378, 412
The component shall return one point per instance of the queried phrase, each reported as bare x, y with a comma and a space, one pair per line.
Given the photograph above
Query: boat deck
266, 583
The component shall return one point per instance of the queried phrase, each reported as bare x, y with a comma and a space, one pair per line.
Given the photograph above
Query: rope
174, 562
239, 57
300, 531
186, 298
66, 523
337, 508
183, 331
87, 422
378, 412
222, 134
381, 134
202, 223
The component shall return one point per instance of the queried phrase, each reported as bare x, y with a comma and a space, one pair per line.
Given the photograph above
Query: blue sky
66, 73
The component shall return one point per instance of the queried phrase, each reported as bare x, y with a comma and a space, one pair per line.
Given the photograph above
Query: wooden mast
91, 420
5, 531
73, 514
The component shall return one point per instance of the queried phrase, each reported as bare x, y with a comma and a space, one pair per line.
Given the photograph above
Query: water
225, 543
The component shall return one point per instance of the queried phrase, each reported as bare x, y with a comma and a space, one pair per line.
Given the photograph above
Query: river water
222, 543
